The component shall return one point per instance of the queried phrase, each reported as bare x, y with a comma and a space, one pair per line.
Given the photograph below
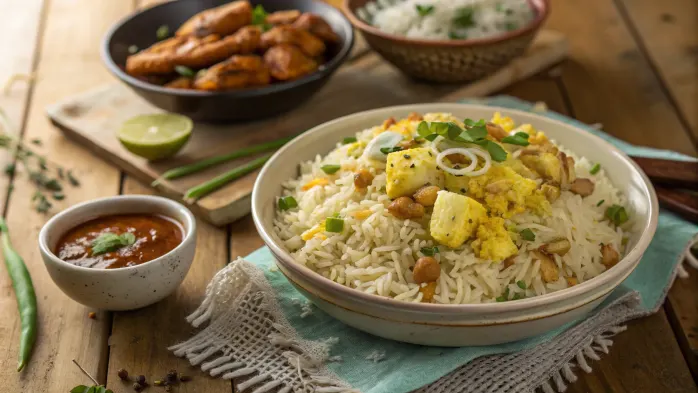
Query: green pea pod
24, 292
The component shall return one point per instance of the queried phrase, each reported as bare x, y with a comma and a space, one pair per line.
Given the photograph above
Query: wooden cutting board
365, 82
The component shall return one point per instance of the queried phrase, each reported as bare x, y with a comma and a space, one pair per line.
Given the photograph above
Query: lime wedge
155, 136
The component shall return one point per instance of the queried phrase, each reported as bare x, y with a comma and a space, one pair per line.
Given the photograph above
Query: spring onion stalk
217, 182
209, 162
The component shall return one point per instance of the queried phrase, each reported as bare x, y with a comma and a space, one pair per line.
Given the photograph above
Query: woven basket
448, 61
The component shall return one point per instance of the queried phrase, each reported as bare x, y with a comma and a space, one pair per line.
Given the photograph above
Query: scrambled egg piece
506, 122
506, 193
355, 149
318, 181
455, 218
406, 127
493, 241
546, 165
408, 170
315, 231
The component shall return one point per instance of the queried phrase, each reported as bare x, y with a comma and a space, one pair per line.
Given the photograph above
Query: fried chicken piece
201, 52
284, 34
222, 20
287, 62
235, 73
181, 83
317, 26
154, 60
283, 17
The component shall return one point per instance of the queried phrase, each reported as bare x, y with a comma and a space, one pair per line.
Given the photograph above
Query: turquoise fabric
407, 367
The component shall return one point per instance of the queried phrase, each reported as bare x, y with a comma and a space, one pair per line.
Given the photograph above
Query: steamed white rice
490, 18
375, 255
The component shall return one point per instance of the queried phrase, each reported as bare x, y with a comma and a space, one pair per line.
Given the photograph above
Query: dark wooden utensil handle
682, 174
681, 202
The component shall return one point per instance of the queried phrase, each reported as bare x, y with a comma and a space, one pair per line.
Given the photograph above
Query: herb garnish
464, 17
424, 10
520, 139
388, 150
600, 203
330, 169
348, 140
521, 284
185, 71
108, 242
528, 235
287, 202
595, 169
474, 132
96, 388
617, 214
162, 32
429, 251
259, 18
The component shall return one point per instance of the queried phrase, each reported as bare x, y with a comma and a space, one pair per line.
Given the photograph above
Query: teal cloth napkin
406, 367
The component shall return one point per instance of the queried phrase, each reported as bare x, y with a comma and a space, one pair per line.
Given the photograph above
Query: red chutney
155, 236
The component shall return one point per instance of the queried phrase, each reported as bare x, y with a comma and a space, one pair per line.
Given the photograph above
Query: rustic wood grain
140, 338
65, 332
610, 82
101, 111
645, 358
668, 33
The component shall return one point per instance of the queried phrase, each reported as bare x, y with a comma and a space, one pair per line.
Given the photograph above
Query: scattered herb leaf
520, 139
617, 214
528, 235
10, 169
600, 203
259, 15
464, 17
72, 179
504, 297
424, 10
36, 141
58, 196
429, 251
388, 150
510, 26
521, 284
348, 140
108, 242
162, 32
595, 169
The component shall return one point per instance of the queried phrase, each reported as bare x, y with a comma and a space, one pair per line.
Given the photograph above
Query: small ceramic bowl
125, 288
446, 324
449, 61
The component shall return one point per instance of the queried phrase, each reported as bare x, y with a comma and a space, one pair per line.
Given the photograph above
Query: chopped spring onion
521, 284
429, 251
424, 10
185, 71
348, 140
334, 224
505, 295
617, 214
209, 162
595, 169
330, 169
528, 235
162, 32
600, 203
388, 150
219, 181
287, 202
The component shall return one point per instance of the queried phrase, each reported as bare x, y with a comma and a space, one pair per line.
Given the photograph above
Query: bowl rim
629, 261
325, 70
189, 229
542, 8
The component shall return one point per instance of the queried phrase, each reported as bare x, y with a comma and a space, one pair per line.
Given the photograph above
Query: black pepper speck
407, 156
462, 190
412, 166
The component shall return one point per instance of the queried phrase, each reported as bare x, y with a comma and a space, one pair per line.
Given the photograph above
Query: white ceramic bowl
125, 288
454, 325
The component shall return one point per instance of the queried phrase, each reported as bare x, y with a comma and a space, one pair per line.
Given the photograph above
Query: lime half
155, 136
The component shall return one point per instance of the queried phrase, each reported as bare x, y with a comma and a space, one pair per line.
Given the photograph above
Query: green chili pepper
24, 292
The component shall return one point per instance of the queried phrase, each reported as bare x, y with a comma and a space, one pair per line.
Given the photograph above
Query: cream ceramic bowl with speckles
442, 324
124, 288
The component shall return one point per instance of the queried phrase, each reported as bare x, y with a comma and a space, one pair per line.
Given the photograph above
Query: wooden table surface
633, 67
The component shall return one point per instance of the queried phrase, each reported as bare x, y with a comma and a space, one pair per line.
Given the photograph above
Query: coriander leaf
388, 150
108, 242
259, 15
101, 389
185, 71
162, 32
528, 235
515, 140
92, 389
424, 10
330, 169
431, 137
464, 17
423, 129
496, 152
523, 135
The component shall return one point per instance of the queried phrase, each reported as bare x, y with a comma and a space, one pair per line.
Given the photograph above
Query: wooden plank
243, 238
668, 33
610, 82
69, 62
139, 338
93, 118
645, 358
